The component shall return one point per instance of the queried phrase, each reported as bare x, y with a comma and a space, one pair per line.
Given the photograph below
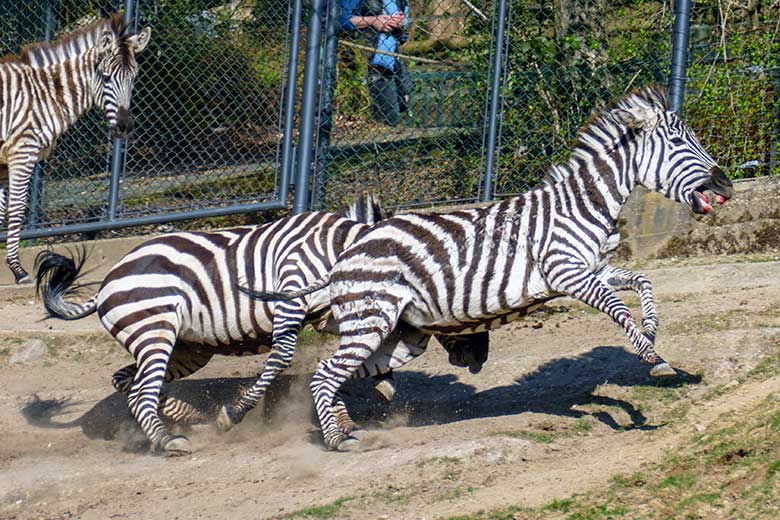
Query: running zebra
471, 270
44, 90
173, 304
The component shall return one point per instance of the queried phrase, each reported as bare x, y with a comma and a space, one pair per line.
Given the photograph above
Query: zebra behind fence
173, 303
474, 269
44, 90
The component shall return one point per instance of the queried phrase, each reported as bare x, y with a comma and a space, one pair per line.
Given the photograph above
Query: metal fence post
119, 148
487, 193
325, 105
680, 37
288, 151
308, 105
37, 180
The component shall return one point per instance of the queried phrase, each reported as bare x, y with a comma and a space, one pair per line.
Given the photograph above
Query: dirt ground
560, 407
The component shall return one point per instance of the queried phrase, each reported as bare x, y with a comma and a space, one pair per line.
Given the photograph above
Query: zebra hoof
227, 418
385, 389
177, 446
24, 280
662, 370
358, 434
348, 444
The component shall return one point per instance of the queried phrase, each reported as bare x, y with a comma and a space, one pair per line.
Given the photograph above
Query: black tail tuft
56, 275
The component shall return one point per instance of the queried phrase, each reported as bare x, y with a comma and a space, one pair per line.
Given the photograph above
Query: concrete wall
653, 226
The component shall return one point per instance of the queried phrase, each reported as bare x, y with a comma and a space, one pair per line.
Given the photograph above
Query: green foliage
322, 512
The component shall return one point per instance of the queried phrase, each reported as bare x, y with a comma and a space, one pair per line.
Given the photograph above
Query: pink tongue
720, 199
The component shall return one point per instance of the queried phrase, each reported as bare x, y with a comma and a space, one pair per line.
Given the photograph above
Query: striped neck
604, 171
75, 85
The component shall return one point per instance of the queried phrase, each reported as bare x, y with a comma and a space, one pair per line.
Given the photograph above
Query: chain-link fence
208, 105
733, 94
560, 61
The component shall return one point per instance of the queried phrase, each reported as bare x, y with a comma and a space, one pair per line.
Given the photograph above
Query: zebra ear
640, 118
140, 40
105, 42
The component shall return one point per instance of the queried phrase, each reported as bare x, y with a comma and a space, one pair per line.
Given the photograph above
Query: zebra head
671, 160
116, 72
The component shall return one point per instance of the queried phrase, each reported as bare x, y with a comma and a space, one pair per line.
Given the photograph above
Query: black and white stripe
470, 270
173, 303
44, 90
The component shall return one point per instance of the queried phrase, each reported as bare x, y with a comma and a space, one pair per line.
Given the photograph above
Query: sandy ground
451, 443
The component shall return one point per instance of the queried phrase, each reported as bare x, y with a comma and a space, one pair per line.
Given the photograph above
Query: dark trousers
389, 91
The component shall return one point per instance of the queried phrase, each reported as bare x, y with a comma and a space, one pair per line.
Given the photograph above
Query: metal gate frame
118, 156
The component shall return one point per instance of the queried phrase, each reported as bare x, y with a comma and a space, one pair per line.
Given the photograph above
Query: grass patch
564, 506
529, 435
583, 425
326, 511
392, 495
731, 470
683, 481
766, 368
600, 512
454, 494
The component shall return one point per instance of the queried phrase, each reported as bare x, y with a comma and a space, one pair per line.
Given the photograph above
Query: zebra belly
243, 347
471, 325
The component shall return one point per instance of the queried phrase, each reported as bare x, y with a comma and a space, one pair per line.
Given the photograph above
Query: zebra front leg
20, 168
580, 283
625, 280
288, 319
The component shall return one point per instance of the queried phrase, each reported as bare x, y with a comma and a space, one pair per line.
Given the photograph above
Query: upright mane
603, 124
72, 44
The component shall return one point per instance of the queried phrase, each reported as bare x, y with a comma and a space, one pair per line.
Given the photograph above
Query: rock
537, 325
700, 427
732, 384
29, 351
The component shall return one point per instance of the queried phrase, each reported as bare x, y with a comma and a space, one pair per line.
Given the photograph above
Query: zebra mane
70, 45
651, 97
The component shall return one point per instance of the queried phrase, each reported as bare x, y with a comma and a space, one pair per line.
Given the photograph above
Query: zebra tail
55, 279
367, 209
286, 296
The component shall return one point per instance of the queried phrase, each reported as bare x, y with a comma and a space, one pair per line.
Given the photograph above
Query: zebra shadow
558, 387
110, 418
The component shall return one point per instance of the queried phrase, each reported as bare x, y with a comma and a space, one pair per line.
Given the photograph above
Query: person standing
384, 23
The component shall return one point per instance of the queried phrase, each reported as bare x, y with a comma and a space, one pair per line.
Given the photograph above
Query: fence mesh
562, 60
733, 91
206, 105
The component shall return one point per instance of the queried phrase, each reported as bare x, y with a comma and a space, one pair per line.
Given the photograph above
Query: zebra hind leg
170, 408
287, 324
144, 396
360, 339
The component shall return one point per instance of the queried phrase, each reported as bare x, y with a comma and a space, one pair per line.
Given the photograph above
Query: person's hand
388, 22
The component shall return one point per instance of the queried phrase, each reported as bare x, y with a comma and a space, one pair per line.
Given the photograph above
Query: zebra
45, 90
172, 303
471, 270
